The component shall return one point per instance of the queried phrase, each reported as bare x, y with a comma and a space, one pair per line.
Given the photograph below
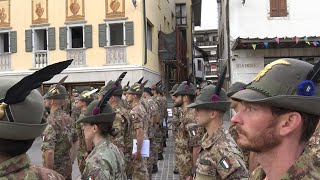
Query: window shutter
52, 38
129, 33
63, 38
283, 12
13, 41
28, 40
102, 35
88, 36
274, 9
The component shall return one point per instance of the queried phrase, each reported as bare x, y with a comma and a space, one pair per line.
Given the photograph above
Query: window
278, 8
199, 64
40, 39
116, 34
4, 42
149, 36
76, 37
181, 14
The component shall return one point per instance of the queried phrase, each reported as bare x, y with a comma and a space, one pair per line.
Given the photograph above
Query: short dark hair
105, 129
14, 148
309, 122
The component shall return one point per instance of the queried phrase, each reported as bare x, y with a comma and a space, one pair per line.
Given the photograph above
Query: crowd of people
274, 134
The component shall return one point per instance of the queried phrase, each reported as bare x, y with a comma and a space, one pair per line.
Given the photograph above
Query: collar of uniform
14, 164
105, 140
302, 167
207, 141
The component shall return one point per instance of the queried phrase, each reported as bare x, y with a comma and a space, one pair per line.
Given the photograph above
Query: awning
276, 42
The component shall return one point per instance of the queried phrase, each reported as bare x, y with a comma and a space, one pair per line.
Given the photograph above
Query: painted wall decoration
4, 13
115, 8
39, 11
75, 10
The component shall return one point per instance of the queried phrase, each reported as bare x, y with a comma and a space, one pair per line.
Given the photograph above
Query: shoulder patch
225, 163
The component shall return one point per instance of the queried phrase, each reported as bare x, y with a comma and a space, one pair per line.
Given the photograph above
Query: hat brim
21, 131
307, 104
100, 118
184, 92
132, 92
59, 96
219, 105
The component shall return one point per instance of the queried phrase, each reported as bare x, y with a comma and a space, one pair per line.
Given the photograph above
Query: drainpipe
145, 32
228, 37
192, 47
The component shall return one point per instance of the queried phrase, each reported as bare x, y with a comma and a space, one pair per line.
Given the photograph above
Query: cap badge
269, 67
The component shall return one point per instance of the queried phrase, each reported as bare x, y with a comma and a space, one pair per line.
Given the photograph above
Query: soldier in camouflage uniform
279, 114
187, 144
125, 103
154, 118
220, 157
121, 122
82, 102
139, 127
176, 111
59, 136
105, 161
20, 126
159, 133
313, 147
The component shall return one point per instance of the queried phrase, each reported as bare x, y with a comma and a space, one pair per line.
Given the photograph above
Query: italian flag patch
225, 163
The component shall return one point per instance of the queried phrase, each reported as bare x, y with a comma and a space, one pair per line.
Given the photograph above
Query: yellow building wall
94, 15
157, 11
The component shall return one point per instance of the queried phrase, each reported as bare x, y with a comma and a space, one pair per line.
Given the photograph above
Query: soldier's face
47, 104
257, 128
178, 101
235, 105
129, 97
203, 117
88, 131
79, 104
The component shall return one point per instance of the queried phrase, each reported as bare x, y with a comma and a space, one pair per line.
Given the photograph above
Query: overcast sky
209, 15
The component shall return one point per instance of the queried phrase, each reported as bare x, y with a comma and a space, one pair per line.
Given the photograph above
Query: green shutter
52, 38
63, 38
102, 35
13, 41
129, 33
88, 36
28, 40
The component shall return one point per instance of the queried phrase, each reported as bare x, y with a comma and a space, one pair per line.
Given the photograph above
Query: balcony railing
206, 43
181, 21
116, 55
212, 73
40, 59
5, 61
78, 55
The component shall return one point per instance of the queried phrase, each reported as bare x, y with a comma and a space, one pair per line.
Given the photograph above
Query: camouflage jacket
138, 119
59, 136
164, 103
159, 103
121, 124
220, 158
151, 110
176, 113
313, 146
187, 137
79, 132
304, 168
19, 168
105, 162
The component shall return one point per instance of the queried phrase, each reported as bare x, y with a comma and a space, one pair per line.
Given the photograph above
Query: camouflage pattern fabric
176, 113
121, 124
185, 141
220, 158
105, 162
304, 168
151, 109
19, 168
313, 147
82, 152
234, 134
59, 136
138, 119
159, 133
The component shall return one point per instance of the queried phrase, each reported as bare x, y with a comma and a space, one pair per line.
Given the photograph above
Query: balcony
40, 59
212, 73
5, 61
78, 55
116, 55
181, 21
206, 43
